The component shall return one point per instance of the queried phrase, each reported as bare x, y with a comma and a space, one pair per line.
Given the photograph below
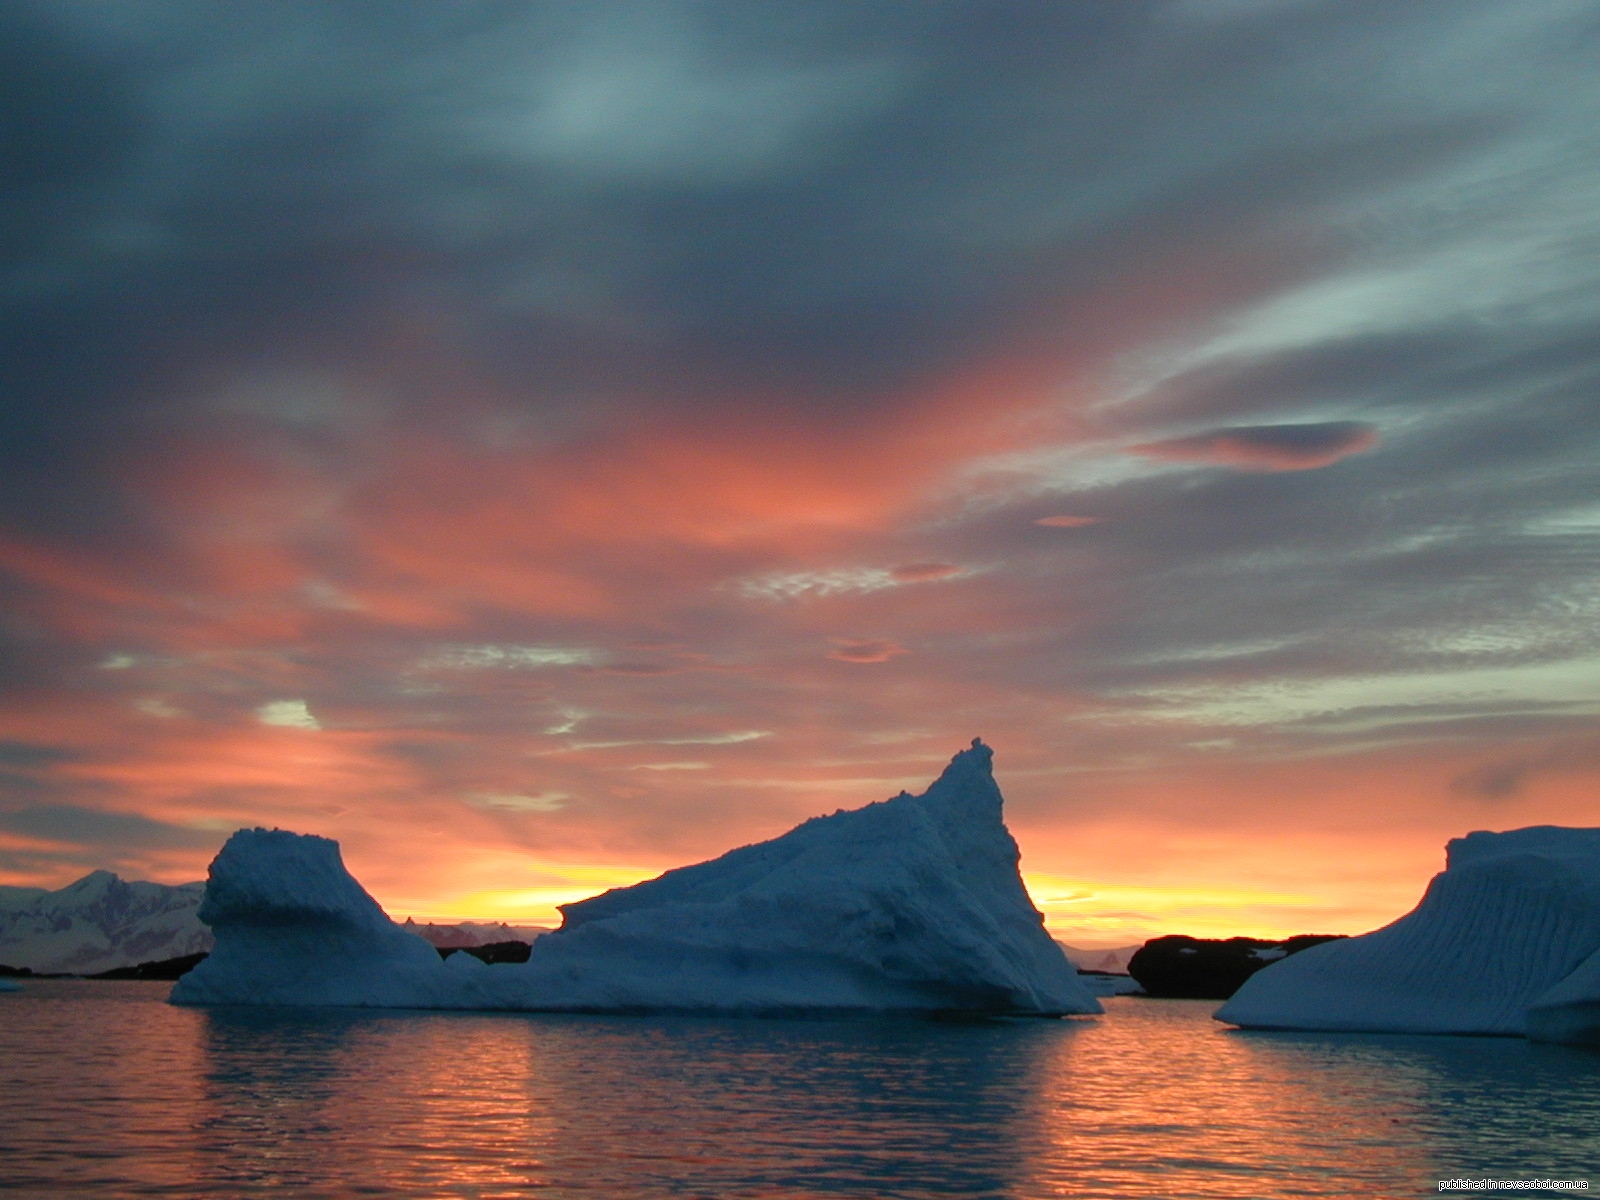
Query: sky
541, 444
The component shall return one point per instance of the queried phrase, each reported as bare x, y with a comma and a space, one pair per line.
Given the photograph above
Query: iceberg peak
912, 904
1550, 841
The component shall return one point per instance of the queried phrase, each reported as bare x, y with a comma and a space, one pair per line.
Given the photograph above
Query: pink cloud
1067, 522
865, 651
923, 572
1303, 447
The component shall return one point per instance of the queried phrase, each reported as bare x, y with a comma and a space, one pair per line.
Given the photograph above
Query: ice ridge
1506, 940
912, 904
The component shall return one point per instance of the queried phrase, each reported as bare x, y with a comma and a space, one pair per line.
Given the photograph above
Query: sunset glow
535, 491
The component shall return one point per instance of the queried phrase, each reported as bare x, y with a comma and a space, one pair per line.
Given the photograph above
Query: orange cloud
923, 572
1067, 522
328, 573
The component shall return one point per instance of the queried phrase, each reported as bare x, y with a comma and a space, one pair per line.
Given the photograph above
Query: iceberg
1506, 940
913, 904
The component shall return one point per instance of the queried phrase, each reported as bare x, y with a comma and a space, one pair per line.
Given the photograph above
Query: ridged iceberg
913, 904
1506, 940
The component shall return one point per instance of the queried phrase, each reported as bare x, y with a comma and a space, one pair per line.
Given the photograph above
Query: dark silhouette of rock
494, 952
1182, 967
466, 934
14, 972
164, 968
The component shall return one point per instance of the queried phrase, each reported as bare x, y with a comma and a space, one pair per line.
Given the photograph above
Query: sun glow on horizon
534, 905
532, 509
1103, 915
1084, 912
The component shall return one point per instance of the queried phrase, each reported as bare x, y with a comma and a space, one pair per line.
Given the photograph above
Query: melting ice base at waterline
913, 904
107, 1091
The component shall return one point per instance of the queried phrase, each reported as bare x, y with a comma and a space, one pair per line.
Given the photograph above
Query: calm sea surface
107, 1091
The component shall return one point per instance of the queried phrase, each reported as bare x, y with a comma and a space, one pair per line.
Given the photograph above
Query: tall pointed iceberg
1506, 940
913, 904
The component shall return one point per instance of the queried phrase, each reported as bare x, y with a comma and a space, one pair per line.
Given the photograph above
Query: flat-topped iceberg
913, 904
1506, 940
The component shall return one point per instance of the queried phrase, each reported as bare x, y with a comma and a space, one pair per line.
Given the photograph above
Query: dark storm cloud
91, 827
27, 754
830, 195
68, 120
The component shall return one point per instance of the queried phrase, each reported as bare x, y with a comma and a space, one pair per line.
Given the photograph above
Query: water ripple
104, 1089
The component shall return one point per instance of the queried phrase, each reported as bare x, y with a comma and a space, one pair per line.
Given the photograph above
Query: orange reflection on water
1161, 1101
298, 1099
112, 1092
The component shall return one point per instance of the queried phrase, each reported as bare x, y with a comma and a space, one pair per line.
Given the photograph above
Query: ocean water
105, 1090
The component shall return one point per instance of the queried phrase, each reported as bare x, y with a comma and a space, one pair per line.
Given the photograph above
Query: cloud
923, 572
97, 827
27, 754
532, 386
791, 585
844, 580
870, 651
544, 802
1508, 778
290, 714
511, 657
1301, 447
709, 739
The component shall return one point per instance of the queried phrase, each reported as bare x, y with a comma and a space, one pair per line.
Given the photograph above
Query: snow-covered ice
293, 927
911, 904
1506, 940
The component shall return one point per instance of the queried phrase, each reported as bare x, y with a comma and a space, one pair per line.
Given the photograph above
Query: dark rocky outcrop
164, 968
14, 972
465, 934
1190, 968
494, 952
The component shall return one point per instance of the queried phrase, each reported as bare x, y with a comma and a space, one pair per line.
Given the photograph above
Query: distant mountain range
99, 923
104, 923
1112, 962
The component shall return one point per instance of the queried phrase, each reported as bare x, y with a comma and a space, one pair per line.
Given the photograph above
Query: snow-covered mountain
99, 923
